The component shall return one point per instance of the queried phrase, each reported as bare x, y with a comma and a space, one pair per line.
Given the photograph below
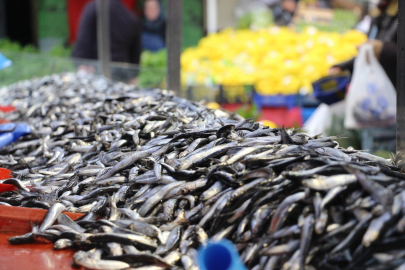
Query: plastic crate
306, 113
274, 100
309, 101
331, 89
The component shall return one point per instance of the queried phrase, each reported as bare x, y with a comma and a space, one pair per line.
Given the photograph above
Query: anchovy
51, 216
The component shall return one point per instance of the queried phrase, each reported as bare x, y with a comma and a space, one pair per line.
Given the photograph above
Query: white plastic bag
321, 120
371, 100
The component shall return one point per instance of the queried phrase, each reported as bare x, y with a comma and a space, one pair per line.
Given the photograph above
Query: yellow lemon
268, 123
213, 106
276, 60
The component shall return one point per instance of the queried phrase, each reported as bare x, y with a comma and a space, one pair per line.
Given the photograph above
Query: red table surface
16, 221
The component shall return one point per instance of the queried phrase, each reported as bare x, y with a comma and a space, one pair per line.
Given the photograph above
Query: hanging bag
371, 99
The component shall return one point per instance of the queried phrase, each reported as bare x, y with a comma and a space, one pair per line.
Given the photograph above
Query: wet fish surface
157, 176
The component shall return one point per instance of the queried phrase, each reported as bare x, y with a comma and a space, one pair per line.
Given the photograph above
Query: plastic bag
321, 120
371, 100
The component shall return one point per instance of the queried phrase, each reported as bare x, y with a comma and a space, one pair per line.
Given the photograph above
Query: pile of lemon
276, 60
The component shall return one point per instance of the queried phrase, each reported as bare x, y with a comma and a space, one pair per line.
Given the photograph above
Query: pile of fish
157, 176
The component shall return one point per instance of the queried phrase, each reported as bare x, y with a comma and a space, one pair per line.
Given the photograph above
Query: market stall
99, 174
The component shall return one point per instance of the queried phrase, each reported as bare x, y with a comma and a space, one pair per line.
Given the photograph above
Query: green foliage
258, 18
52, 24
52, 19
248, 111
52, 5
192, 17
9, 46
28, 65
153, 68
60, 51
154, 59
28, 62
192, 22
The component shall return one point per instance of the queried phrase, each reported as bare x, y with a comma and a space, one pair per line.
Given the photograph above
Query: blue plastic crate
306, 113
306, 101
331, 89
274, 100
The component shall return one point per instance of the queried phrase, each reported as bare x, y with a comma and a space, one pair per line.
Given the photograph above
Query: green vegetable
153, 68
249, 111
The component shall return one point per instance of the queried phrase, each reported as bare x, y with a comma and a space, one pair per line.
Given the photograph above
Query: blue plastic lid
21, 130
5, 139
8, 127
4, 62
13, 131
220, 255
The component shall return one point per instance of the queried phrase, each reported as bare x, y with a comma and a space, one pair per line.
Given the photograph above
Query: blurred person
343, 4
283, 10
125, 38
153, 26
383, 38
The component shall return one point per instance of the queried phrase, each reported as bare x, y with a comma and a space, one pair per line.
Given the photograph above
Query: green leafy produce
249, 111
153, 68
257, 18
61, 51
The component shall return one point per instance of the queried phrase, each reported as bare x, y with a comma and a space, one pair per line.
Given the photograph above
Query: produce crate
261, 101
306, 101
306, 113
16, 221
331, 89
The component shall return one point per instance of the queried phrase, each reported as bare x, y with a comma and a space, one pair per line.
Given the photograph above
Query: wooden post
103, 36
173, 43
401, 79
